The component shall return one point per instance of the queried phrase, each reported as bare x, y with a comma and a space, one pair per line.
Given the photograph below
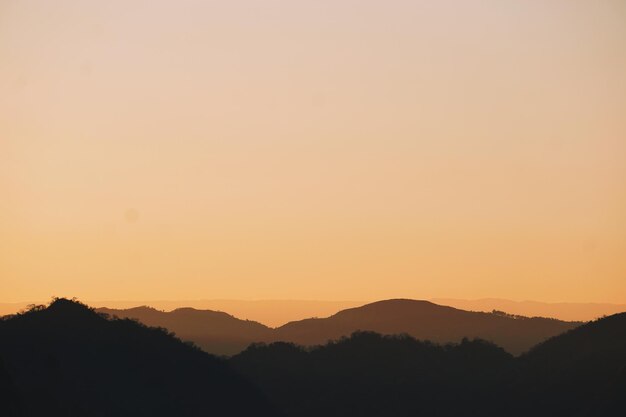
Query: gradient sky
313, 149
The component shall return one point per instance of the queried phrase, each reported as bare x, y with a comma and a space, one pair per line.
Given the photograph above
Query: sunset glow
320, 150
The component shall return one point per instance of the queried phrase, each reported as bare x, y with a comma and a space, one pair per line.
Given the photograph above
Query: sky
323, 150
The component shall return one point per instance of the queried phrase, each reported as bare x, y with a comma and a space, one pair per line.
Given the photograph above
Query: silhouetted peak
191, 310
63, 304
395, 306
402, 302
69, 360
62, 307
143, 309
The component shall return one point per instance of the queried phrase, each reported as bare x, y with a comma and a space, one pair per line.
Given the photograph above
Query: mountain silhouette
68, 360
427, 321
583, 369
368, 374
214, 331
581, 373
223, 334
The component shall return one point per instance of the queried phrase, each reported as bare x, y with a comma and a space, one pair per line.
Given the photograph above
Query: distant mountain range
68, 360
272, 313
561, 311
221, 333
275, 313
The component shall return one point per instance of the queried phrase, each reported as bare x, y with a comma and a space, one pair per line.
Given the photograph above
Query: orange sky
313, 149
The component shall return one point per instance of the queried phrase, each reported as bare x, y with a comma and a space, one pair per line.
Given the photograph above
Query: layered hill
214, 331
221, 333
581, 373
68, 360
583, 370
368, 374
427, 321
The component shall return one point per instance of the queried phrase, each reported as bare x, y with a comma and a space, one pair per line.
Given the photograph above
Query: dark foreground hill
580, 373
584, 370
369, 374
220, 333
68, 360
214, 331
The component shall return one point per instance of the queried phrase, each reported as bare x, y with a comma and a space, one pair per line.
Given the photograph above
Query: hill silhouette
221, 333
368, 374
214, 331
580, 373
427, 321
68, 360
583, 369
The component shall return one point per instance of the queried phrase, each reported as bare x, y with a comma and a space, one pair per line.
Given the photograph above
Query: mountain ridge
216, 332
222, 333
69, 359
580, 373
275, 313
